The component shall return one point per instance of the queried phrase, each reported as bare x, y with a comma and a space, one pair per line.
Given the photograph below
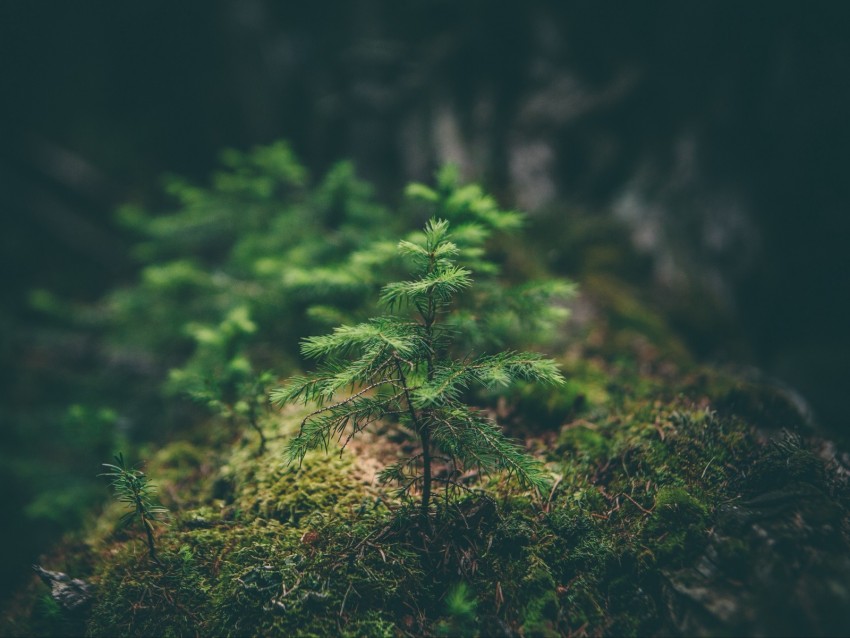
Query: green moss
177, 459
260, 547
677, 527
539, 615
581, 440
269, 559
275, 489
260, 578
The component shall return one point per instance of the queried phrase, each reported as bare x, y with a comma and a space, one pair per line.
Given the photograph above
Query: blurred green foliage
230, 278
241, 270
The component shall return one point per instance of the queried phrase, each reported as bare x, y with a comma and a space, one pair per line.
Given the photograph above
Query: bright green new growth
221, 377
399, 367
132, 487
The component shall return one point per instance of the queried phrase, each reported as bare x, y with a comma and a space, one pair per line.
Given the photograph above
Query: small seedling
220, 376
133, 488
402, 367
460, 618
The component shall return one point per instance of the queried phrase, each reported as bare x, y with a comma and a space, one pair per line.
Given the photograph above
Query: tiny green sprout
460, 603
133, 488
460, 607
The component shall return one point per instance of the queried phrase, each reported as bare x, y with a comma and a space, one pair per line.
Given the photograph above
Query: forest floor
685, 500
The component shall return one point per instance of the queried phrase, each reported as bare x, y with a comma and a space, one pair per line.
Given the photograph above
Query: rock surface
72, 594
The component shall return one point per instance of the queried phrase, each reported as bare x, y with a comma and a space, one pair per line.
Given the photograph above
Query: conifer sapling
400, 367
133, 488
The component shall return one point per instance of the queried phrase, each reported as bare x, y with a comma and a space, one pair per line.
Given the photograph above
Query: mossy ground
646, 451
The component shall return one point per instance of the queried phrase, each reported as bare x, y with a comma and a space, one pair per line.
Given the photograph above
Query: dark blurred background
715, 133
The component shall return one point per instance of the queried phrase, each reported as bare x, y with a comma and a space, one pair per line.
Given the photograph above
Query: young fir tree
133, 488
220, 375
399, 367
